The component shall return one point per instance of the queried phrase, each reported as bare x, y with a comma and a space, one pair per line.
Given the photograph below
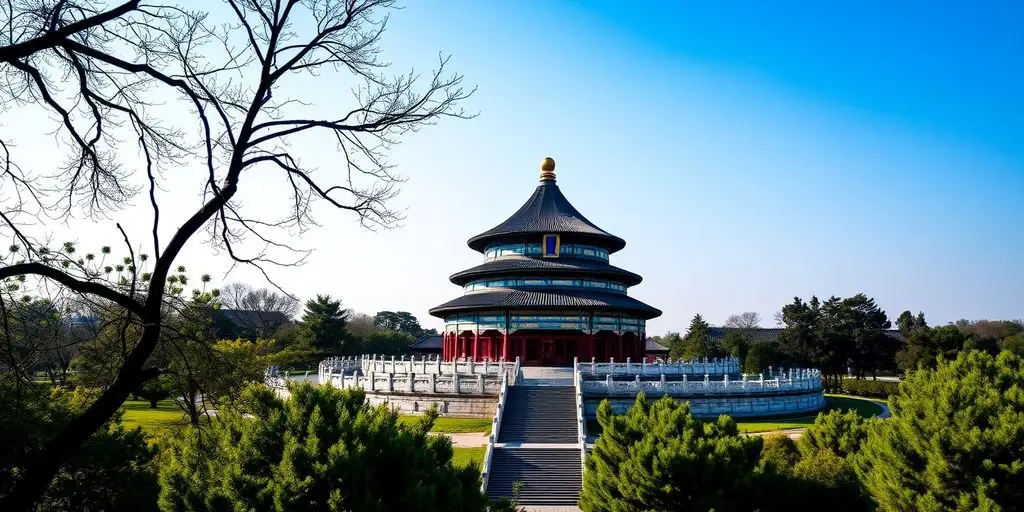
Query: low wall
736, 406
411, 383
716, 367
792, 381
464, 406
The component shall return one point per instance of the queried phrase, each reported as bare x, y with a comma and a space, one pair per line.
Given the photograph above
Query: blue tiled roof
547, 211
525, 265
548, 299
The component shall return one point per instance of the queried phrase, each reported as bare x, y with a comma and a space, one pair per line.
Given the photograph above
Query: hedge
870, 388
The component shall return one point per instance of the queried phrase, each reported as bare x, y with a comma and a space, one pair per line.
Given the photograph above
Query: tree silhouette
189, 90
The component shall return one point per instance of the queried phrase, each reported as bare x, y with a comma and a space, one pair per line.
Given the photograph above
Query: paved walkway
465, 440
793, 433
885, 409
546, 376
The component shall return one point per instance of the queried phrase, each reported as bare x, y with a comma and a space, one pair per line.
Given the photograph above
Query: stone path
465, 440
536, 508
546, 376
793, 433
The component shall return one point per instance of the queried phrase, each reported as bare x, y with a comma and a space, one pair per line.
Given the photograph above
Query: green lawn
166, 418
863, 406
455, 425
463, 456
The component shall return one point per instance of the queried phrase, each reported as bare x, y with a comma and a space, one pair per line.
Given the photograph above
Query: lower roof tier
547, 300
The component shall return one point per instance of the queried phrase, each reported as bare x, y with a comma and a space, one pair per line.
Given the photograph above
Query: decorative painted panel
565, 283
552, 243
563, 322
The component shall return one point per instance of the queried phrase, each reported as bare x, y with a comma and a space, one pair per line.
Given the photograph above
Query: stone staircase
550, 476
539, 415
538, 447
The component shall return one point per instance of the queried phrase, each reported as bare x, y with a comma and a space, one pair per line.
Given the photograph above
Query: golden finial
547, 169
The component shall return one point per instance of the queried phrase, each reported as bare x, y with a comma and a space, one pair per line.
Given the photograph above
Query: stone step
550, 476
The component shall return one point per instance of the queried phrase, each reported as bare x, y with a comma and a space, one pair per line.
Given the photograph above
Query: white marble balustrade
341, 366
716, 366
785, 382
425, 383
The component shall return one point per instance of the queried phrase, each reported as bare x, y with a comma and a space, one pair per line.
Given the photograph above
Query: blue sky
748, 153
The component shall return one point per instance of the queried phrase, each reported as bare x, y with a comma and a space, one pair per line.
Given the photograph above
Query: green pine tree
658, 456
836, 431
323, 324
697, 342
954, 441
322, 449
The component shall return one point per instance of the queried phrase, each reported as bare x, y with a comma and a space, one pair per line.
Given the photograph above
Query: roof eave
479, 242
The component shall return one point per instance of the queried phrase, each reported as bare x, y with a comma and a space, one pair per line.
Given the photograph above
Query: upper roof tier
547, 211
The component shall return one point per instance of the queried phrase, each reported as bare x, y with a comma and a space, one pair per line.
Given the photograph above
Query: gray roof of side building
654, 346
245, 317
547, 211
507, 298
761, 334
431, 342
525, 265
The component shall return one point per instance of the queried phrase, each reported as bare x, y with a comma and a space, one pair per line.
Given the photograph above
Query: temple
545, 292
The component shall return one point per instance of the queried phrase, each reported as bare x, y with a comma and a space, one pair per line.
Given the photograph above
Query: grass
464, 456
455, 425
167, 418
863, 406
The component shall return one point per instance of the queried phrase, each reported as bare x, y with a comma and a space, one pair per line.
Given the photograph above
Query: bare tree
257, 312
186, 89
745, 321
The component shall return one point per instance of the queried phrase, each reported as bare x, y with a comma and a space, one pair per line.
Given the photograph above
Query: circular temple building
546, 292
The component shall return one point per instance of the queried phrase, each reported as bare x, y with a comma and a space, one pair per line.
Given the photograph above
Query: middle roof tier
516, 266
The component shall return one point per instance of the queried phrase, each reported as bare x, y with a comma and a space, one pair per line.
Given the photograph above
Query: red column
444, 347
618, 349
522, 348
504, 345
476, 345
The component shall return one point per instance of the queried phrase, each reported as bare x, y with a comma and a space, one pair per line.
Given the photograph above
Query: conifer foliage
955, 440
323, 449
657, 456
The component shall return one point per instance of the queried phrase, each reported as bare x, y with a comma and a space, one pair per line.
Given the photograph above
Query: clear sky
748, 153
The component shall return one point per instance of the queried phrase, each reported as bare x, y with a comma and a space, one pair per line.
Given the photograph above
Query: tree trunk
38, 475
152, 403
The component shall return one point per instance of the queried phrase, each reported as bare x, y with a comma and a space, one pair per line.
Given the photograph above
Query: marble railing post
373, 381
391, 382
412, 379
455, 382
433, 383
480, 383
